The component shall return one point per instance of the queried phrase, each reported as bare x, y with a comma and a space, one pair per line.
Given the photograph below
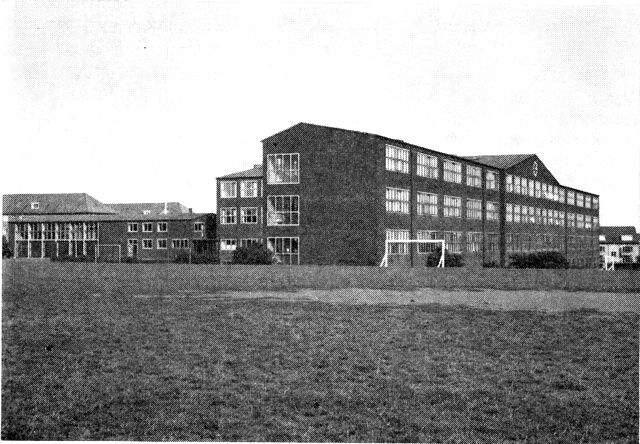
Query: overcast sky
151, 100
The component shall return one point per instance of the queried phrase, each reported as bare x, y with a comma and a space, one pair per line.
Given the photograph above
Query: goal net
402, 248
108, 253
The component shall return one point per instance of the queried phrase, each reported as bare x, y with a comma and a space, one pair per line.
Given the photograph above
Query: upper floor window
397, 200
283, 168
595, 222
453, 241
580, 220
509, 216
596, 203
162, 227
452, 171
452, 206
427, 204
35, 205
427, 166
571, 197
228, 189
563, 195
132, 227
492, 210
227, 216
147, 227
249, 188
474, 209
283, 210
531, 188
474, 176
491, 180
587, 202
571, 220
509, 181
538, 189
580, 199
249, 215
198, 226
397, 159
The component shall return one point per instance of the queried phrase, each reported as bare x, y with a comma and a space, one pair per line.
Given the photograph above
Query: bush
538, 259
256, 254
450, 259
6, 251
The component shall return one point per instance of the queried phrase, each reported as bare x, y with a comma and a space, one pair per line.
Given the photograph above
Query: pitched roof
154, 208
500, 160
66, 203
613, 235
256, 171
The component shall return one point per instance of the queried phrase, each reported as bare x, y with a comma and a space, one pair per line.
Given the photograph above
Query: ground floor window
249, 241
227, 244
162, 244
398, 248
453, 241
492, 241
474, 240
285, 249
147, 244
428, 235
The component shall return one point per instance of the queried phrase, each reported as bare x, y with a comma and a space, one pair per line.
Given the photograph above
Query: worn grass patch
90, 364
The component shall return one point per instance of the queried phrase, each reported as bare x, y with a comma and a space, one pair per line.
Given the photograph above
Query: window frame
425, 167
159, 240
223, 194
292, 173
474, 176
452, 175
474, 212
243, 215
447, 209
228, 216
131, 225
393, 201
272, 214
244, 188
428, 204
160, 230
395, 161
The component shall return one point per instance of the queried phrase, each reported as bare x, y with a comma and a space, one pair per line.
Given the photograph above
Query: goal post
390, 242
109, 252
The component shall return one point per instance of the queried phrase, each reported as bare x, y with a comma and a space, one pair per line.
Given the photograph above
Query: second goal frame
385, 259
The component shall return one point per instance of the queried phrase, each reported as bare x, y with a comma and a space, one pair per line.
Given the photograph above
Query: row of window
397, 201
229, 188
281, 210
535, 188
161, 244
285, 249
161, 227
397, 159
543, 216
536, 242
248, 215
56, 231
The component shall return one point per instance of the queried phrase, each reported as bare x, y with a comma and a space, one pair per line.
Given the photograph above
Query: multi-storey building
333, 196
619, 245
47, 225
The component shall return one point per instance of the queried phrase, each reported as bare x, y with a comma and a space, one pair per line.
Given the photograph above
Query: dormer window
626, 238
602, 238
146, 212
35, 205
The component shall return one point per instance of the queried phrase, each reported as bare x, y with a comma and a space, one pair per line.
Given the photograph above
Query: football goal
109, 253
397, 247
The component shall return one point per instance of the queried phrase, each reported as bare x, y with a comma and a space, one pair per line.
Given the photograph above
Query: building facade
334, 196
60, 225
620, 245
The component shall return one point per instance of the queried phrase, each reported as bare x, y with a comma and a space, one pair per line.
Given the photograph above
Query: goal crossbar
385, 259
109, 245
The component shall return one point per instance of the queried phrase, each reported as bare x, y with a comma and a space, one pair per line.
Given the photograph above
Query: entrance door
132, 248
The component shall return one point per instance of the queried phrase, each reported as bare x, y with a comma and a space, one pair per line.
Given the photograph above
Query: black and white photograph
320, 221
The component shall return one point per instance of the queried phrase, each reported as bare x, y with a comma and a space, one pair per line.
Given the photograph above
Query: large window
453, 241
491, 180
452, 206
427, 166
249, 215
249, 188
283, 210
398, 248
452, 171
538, 189
283, 168
428, 235
228, 189
49, 232
474, 176
397, 200
492, 210
285, 249
227, 216
397, 159
427, 204
474, 209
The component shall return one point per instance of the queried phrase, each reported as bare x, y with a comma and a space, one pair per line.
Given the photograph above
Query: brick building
46, 225
619, 245
333, 196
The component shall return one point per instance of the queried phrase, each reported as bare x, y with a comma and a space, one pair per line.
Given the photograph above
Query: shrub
256, 254
6, 250
450, 259
538, 259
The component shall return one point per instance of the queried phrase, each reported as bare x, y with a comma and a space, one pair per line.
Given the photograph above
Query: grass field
160, 352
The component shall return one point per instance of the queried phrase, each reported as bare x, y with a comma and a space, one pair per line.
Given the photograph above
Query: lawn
86, 355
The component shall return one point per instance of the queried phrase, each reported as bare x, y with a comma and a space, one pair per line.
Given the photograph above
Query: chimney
190, 210
258, 165
165, 211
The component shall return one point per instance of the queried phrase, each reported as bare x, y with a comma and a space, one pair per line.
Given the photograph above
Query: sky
150, 101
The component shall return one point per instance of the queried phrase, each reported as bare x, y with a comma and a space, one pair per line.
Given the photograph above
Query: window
397, 200
474, 239
538, 191
198, 226
285, 249
587, 222
180, 243
147, 227
509, 217
587, 202
397, 159
228, 189
491, 179
516, 185
162, 227
580, 220
596, 203
244, 243
563, 195
492, 241
398, 248
427, 204
35, 205
227, 216
474, 176
531, 188
283, 168
492, 210
626, 237
452, 171
249, 188
283, 210
132, 227
571, 197
532, 215
571, 220
452, 206
579, 199
427, 166
147, 244
249, 215
627, 249
474, 209
162, 244
92, 230
556, 193
427, 235
453, 241
509, 183
596, 222
516, 214
227, 244
146, 212
561, 218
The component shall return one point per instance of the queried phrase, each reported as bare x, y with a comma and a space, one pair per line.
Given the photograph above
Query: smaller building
620, 245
